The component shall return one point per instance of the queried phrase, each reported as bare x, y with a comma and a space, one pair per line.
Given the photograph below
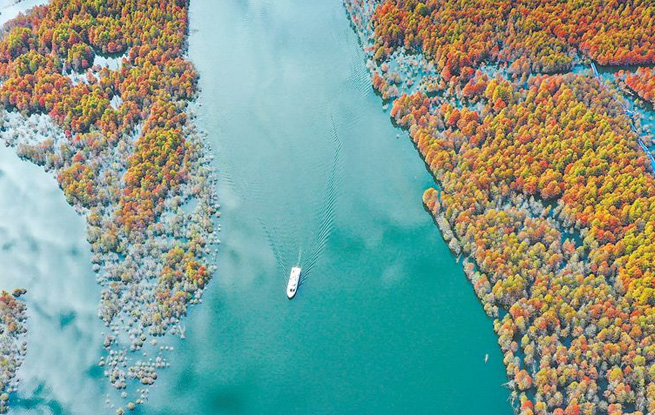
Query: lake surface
43, 248
311, 167
311, 172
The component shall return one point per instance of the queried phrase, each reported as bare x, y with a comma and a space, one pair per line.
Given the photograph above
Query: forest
541, 185
545, 35
641, 82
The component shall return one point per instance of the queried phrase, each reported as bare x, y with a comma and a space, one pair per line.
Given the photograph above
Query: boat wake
296, 226
326, 214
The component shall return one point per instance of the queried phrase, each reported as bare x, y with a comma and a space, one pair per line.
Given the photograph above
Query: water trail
360, 80
327, 212
291, 236
275, 247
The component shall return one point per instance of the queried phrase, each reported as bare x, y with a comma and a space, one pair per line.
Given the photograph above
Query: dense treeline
543, 188
552, 201
543, 34
36, 53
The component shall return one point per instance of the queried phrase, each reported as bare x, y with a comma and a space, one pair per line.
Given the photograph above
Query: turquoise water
310, 166
311, 172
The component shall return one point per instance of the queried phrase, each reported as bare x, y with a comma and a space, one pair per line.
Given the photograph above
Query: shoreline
13, 347
144, 295
427, 119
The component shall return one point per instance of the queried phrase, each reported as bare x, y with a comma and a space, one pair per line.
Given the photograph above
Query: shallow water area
43, 249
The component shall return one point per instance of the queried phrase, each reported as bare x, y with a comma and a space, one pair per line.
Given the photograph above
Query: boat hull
294, 281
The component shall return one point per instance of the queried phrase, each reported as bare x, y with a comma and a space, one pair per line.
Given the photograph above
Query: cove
312, 171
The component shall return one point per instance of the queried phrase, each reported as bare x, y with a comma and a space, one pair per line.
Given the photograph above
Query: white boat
294, 280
